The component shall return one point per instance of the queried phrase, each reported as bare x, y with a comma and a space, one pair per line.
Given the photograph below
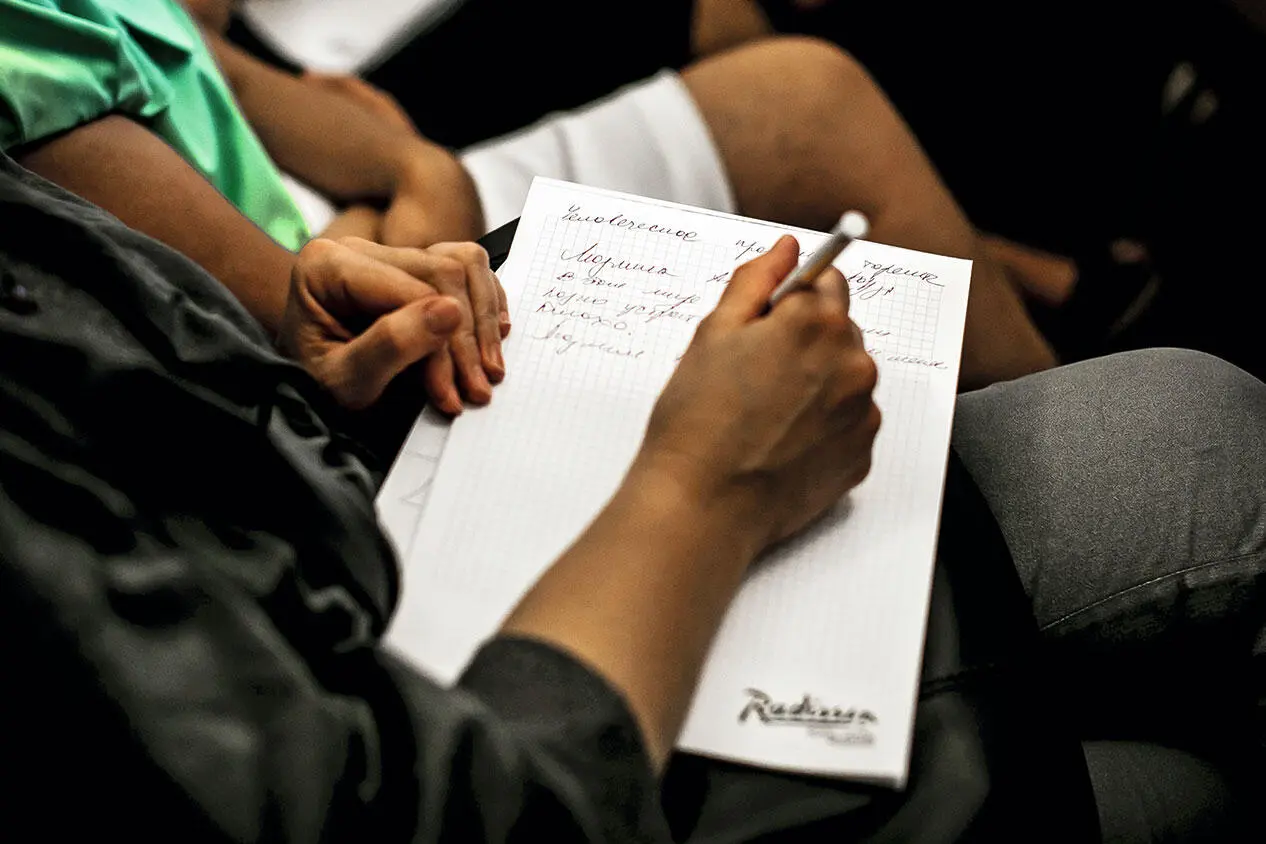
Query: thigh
1149, 794
1132, 492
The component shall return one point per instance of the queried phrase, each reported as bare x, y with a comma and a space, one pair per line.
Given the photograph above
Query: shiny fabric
64, 63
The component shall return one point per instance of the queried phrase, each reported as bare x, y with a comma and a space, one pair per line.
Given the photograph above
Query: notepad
816, 666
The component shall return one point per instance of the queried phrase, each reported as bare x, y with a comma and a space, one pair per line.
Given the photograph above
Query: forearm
641, 594
317, 135
130, 172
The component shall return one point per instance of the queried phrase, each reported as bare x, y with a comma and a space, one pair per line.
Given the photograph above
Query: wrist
714, 512
410, 156
431, 177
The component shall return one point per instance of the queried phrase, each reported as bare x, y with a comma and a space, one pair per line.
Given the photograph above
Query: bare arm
127, 170
325, 139
640, 595
349, 151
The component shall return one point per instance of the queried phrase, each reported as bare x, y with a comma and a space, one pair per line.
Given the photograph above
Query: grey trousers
1132, 493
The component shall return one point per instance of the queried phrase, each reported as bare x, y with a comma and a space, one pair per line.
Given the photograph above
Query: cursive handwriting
597, 262
863, 289
566, 297
582, 315
913, 360
567, 342
754, 247
875, 270
665, 311
620, 221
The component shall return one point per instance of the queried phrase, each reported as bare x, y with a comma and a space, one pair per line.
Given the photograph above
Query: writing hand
358, 314
772, 415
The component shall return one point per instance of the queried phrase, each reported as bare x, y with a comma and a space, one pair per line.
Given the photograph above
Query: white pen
852, 226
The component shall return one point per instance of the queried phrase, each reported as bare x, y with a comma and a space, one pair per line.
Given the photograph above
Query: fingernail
505, 321
494, 365
482, 392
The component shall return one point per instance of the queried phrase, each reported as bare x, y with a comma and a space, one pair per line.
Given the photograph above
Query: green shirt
64, 63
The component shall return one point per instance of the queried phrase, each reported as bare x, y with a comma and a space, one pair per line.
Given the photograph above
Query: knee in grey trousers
1131, 490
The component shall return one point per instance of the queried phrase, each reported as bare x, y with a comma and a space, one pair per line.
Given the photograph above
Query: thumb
392, 343
747, 294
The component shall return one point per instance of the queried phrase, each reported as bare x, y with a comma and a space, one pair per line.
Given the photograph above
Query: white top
341, 35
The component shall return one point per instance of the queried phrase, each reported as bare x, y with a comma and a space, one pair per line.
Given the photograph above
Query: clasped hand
358, 314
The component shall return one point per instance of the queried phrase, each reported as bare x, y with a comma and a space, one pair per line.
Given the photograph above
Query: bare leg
806, 134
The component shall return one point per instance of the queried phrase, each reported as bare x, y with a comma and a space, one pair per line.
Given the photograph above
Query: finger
832, 290
817, 311
503, 314
451, 277
485, 304
853, 391
395, 341
488, 323
747, 294
468, 364
437, 376
350, 280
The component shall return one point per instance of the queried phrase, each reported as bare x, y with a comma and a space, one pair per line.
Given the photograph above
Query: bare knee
803, 67
786, 114
804, 60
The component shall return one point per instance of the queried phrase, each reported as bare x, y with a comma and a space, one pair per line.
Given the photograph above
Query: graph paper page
816, 666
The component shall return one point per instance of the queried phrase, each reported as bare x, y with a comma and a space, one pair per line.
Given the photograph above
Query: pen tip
854, 224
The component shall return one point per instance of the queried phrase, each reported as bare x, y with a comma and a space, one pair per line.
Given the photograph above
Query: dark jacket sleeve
193, 590
147, 696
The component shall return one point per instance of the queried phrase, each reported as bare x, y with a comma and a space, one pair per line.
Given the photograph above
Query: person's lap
1131, 492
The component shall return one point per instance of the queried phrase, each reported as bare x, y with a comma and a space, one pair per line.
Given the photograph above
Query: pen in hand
852, 226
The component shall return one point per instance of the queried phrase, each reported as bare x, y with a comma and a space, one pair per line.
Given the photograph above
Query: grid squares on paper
659, 340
